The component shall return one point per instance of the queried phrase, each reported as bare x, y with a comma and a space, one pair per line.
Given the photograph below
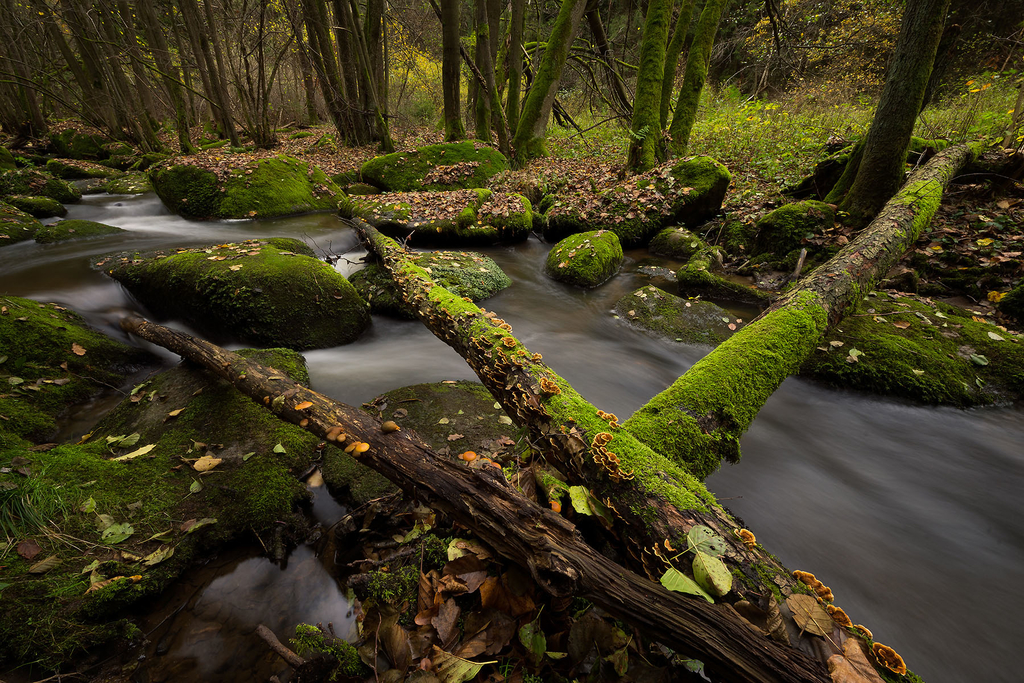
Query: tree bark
545, 543
451, 71
697, 62
698, 420
645, 146
621, 101
154, 34
206, 63
676, 47
880, 171
514, 55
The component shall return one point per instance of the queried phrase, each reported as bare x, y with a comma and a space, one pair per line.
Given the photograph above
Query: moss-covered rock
52, 360
787, 227
462, 217
38, 207
73, 230
245, 188
451, 166
676, 242
6, 160
702, 276
264, 292
149, 159
687, 192
467, 274
72, 144
1013, 302
27, 181
73, 169
669, 316
130, 183
16, 225
921, 350
586, 259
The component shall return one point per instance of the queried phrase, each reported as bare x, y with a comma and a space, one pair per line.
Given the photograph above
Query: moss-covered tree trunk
529, 140
514, 56
675, 48
154, 34
451, 71
697, 61
880, 172
645, 147
698, 420
482, 108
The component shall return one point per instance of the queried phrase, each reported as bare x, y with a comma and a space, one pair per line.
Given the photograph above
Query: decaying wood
271, 640
546, 544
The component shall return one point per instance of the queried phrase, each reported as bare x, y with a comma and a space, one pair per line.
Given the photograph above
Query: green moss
130, 183
466, 274
73, 230
692, 322
449, 166
697, 278
38, 207
253, 291
6, 160
699, 419
676, 242
16, 225
786, 228
310, 640
72, 144
299, 134
27, 181
586, 259
259, 188
394, 587
69, 169
768, 575
922, 351
1013, 302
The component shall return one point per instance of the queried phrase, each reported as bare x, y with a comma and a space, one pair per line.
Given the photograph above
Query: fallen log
544, 543
700, 418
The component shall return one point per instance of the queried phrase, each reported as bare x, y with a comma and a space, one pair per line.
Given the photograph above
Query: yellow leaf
136, 453
175, 413
996, 297
77, 350
236, 267
809, 615
206, 463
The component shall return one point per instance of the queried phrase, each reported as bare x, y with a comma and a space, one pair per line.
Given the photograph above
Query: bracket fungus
887, 657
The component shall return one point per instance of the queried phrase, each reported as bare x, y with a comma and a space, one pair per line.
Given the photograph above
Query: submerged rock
702, 276
244, 187
586, 259
466, 274
266, 292
463, 217
38, 207
689, 191
669, 316
451, 166
16, 225
28, 181
922, 350
73, 230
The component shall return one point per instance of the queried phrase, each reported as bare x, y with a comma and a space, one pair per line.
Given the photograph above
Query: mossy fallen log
699, 419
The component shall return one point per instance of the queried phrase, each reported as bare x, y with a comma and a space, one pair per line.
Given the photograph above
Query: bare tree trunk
515, 63
218, 72
208, 68
621, 100
154, 34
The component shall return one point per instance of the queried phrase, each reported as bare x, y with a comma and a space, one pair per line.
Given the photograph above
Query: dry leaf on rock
809, 615
206, 463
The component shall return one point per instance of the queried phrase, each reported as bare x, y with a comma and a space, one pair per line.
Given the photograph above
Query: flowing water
910, 514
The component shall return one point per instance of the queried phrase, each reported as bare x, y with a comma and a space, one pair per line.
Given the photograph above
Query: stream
910, 514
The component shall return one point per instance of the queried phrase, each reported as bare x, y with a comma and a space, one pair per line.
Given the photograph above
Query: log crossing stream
911, 514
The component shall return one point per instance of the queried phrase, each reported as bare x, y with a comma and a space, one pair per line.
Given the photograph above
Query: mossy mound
687, 192
702, 276
921, 350
586, 259
451, 166
1013, 302
27, 181
264, 292
7, 160
38, 207
462, 273
73, 230
16, 225
52, 360
787, 227
130, 183
74, 169
157, 500
248, 188
669, 316
462, 217
676, 242
72, 144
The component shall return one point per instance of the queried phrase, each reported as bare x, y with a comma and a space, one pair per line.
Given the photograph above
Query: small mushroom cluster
747, 537
606, 459
549, 388
613, 421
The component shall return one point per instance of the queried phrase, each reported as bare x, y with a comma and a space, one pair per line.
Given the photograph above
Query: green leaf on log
703, 539
711, 574
675, 580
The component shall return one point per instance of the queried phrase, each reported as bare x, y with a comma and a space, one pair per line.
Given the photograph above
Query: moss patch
691, 322
257, 291
699, 277
38, 207
27, 181
72, 169
467, 274
16, 225
921, 350
6, 160
248, 188
676, 242
73, 230
130, 183
586, 259
788, 227
450, 166
72, 144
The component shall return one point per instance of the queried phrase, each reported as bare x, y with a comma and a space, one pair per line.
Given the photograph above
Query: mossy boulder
16, 225
7, 160
676, 242
27, 181
461, 217
72, 169
466, 274
244, 187
38, 207
669, 316
52, 360
265, 292
73, 144
686, 192
702, 276
586, 259
1013, 302
787, 227
149, 159
75, 229
922, 350
451, 166
130, 183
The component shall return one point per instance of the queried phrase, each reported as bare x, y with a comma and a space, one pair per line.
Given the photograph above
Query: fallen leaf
92, 566
995, 337
902, 324
158, 555
115, 533
45, 565
206, 463
704, 539
195, 487
453, 669
711, 574
136, 453
853, 666
446, 622
235, 267
979, 359
809, 615
29, 548
192, 525
455, 437
532, 637
77, 349
279, 449
175, 413
675, 580
443, 421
